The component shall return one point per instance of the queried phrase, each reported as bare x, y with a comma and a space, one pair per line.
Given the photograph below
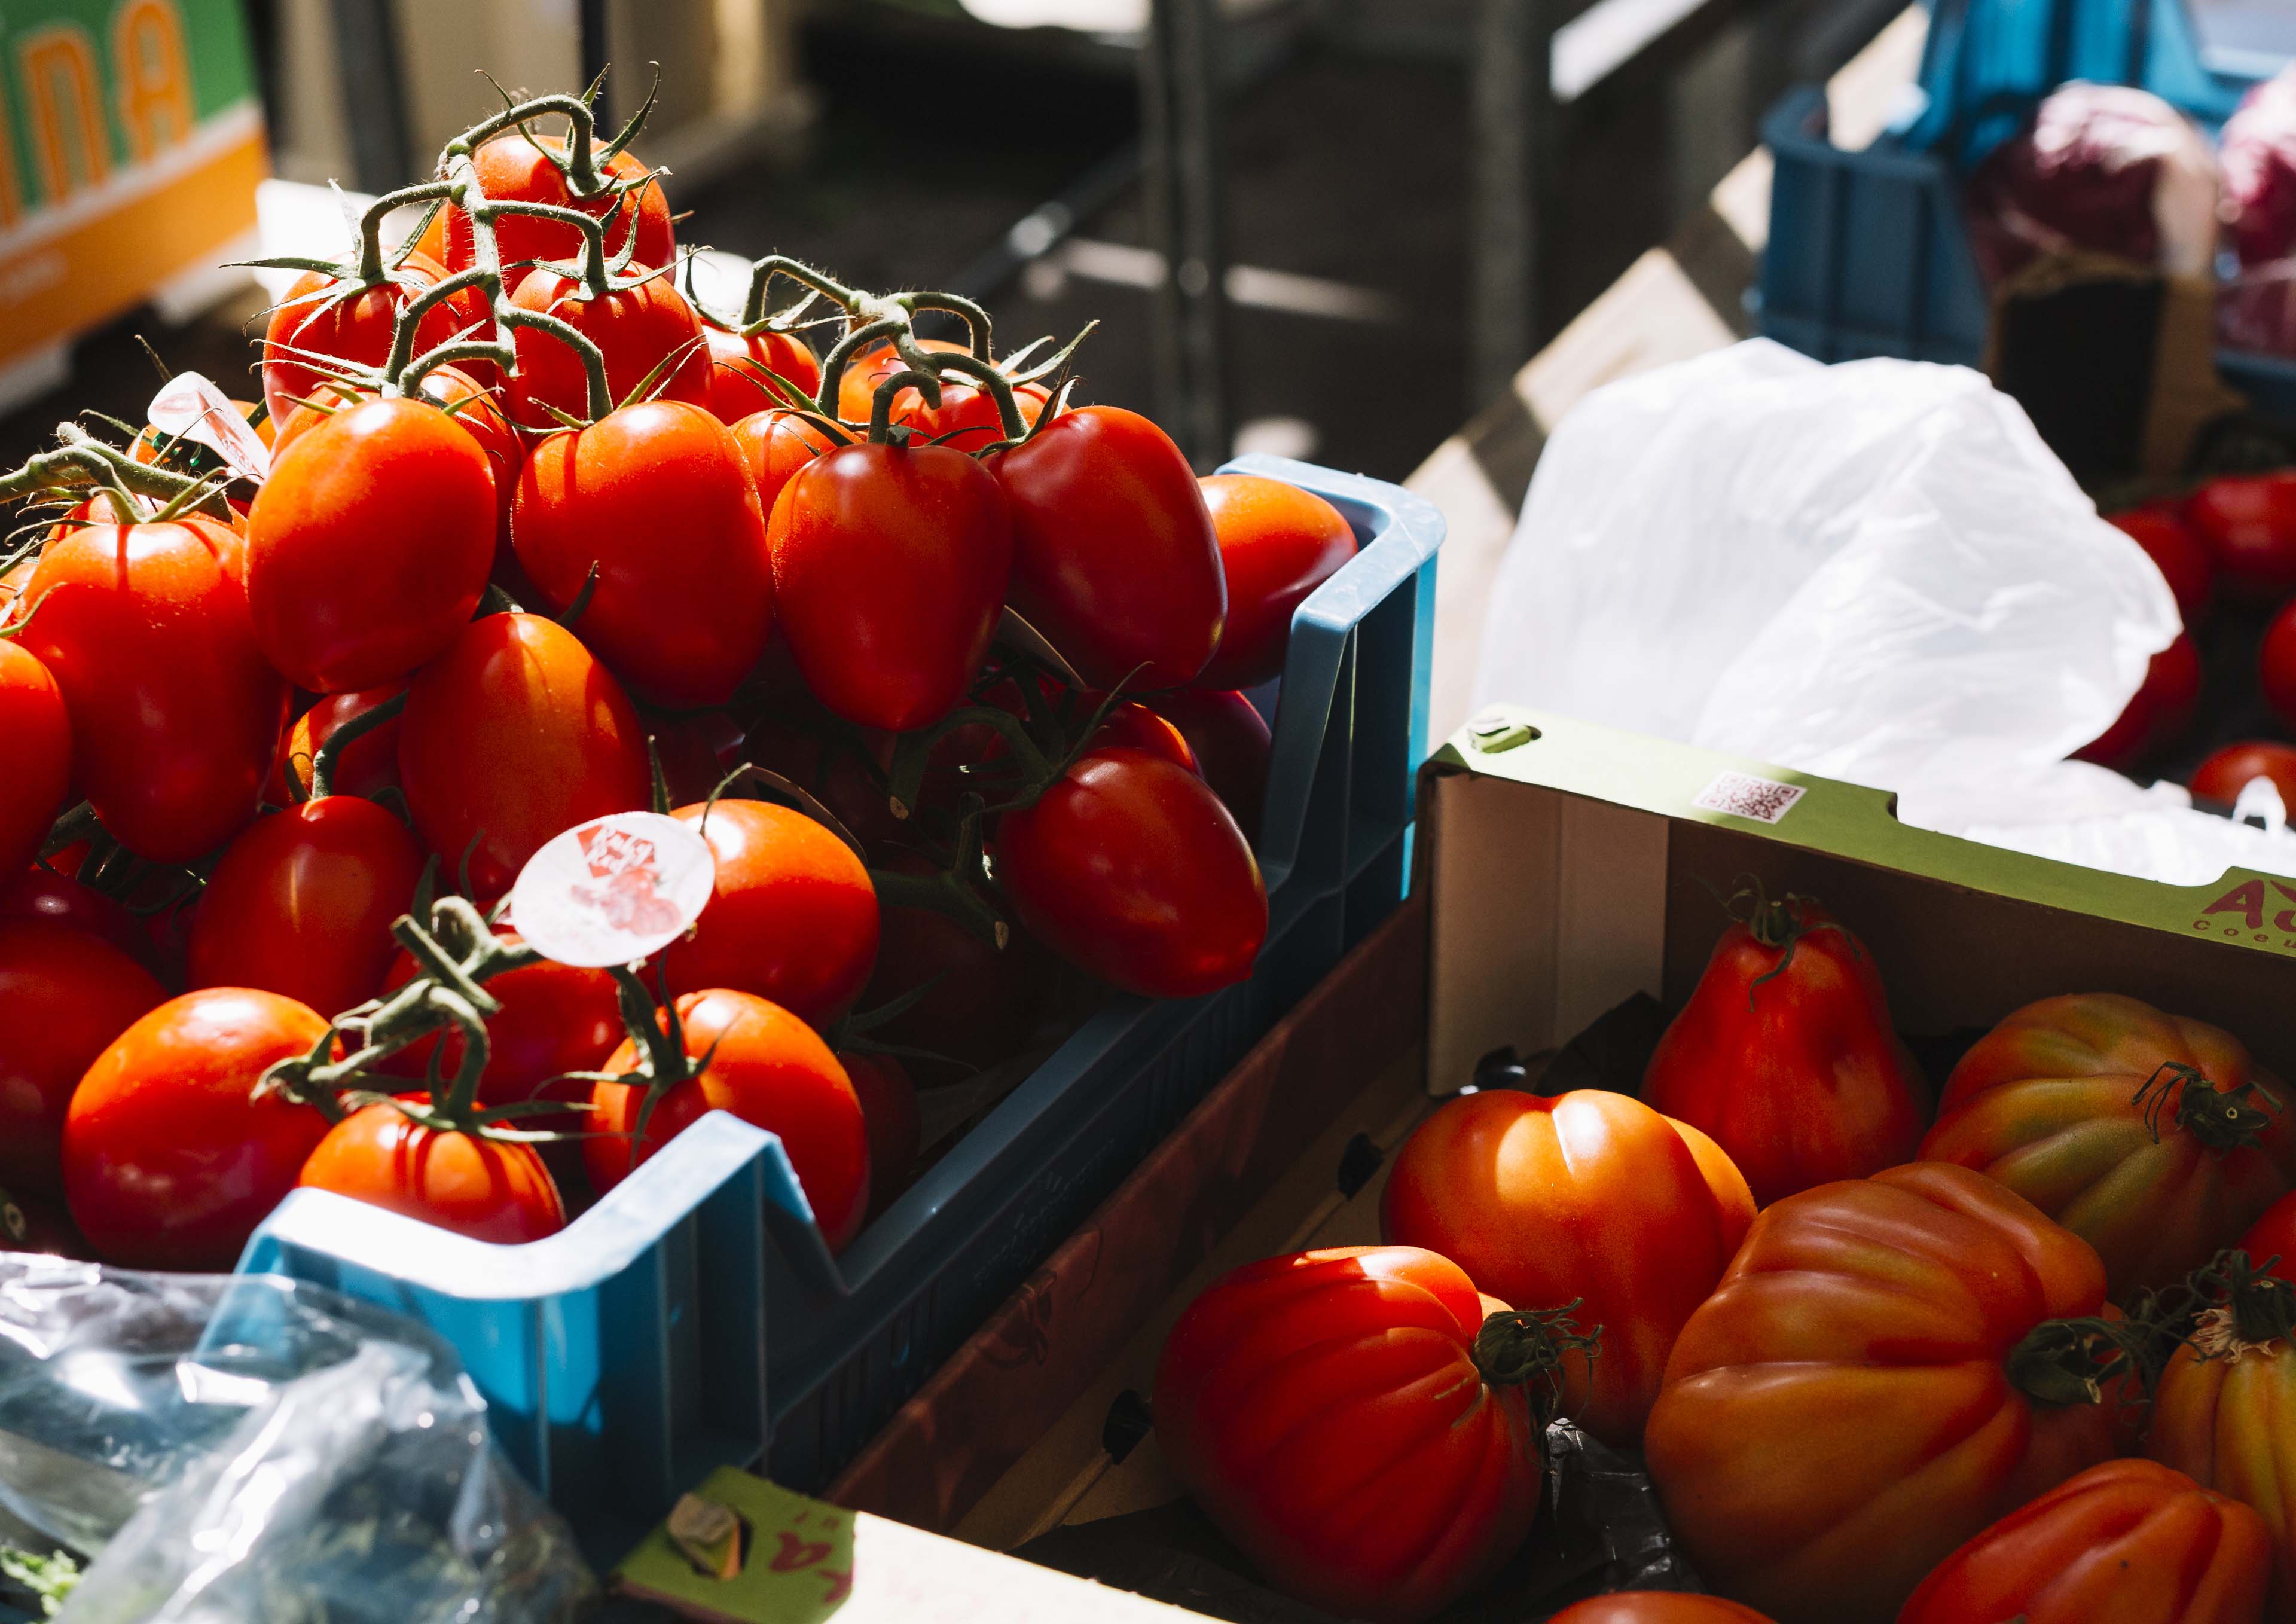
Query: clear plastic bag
1874, 571
233, 1448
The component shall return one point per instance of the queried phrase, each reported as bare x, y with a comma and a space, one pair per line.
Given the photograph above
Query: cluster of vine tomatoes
945, 668
1884, 1361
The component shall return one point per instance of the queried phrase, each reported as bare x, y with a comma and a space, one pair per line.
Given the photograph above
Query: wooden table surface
1675, 302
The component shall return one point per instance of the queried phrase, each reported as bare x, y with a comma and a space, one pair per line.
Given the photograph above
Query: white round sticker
613, 891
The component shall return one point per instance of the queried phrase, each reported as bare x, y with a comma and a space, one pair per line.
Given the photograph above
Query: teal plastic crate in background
1869, 253
693, 1317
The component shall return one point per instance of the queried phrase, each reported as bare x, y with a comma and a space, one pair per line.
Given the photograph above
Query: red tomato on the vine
176, 714
515, 166
488, 1189
2157, 715
1230, 742
738, 385
38, 728
967, 419
775, 445
1277, 543
2248, 522
2222, 775
638, 326
322, 317
857, 386
302, 904
369, 546
2177, 549
555, 1019
767, 1068
367, 764
657, 499
34, 892
979, 1000
513, 735
169, 1161
64, 996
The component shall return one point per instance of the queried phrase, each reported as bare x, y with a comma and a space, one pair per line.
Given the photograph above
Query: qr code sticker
1766, 800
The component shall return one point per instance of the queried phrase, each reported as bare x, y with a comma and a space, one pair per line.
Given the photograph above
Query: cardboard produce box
1562, 910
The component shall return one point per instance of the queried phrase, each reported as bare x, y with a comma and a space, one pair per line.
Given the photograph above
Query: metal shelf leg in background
1180, 90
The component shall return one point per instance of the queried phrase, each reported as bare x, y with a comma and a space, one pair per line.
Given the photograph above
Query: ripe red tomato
2270, 1241
2248, 522
2156, 715
176, 715
13, 580
35, 892
322, 316
1347, 1418
1786, 1058
737, 389
1885, 1370
1114, 557
511, 736
888, 1106
1230, 742
473, 405
1130, 867
1277, 543
2178, 550
38, 727
369, 546
1135, 726
2128, 1542
1589, 1195
638, 326
791, 918
515, 166
303, 901
889, 569
857, 386
488, 1189
2222, 775
2068, 1103
2276, 664
1657, 1607
832, 763
967, 419
169, 1162
775, 445
658, 500
979, 1001
367, 764
769, 1069
556, 1017
64, 996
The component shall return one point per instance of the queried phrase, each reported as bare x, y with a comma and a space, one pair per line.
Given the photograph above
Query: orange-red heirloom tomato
767, 1068
174, 712
303, 903
638, 326
2077, 1104
38, 727
775, 445
1590, 1195
1884, 1371
368, 546
2128, 1542
169, 1161
1657, 1607
511, 736
2225, 1414
1277, 543
64, 996
791, 916
519, 168
657, 499
487, 1189
1348, 1419
738, 368
1785, 1055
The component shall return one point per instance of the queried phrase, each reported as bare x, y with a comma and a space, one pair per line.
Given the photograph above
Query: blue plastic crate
1869, 252
694, 1316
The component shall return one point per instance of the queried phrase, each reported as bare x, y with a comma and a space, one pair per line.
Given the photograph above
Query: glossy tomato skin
2220, 1416
2222, 775
1786, 1058
1838, 1416
1657, 1607
2248, 522
637, 327
510, 167
367, 765
793, 917
369, 546
1114, 557
1277, 543
1587, 1195
1230, 742
967, 419
303, 901
2276, 664
737, 385
2156, 715
775, 445
483, 1188
857, 385
657, 498
1326, 1411
889, 569
2046, 1103
39, 893
37, 726
317, 318
769, 1069
555, 1019
1132, 726
2128, 1542
168, 1163
888, 1106
1130, 867
174, 712
64, 996
511, 736
2184, 559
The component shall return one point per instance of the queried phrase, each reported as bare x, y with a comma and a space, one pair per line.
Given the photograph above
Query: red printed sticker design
613, 891
190, 405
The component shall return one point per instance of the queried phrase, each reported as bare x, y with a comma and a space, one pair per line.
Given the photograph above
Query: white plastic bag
1874, 571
